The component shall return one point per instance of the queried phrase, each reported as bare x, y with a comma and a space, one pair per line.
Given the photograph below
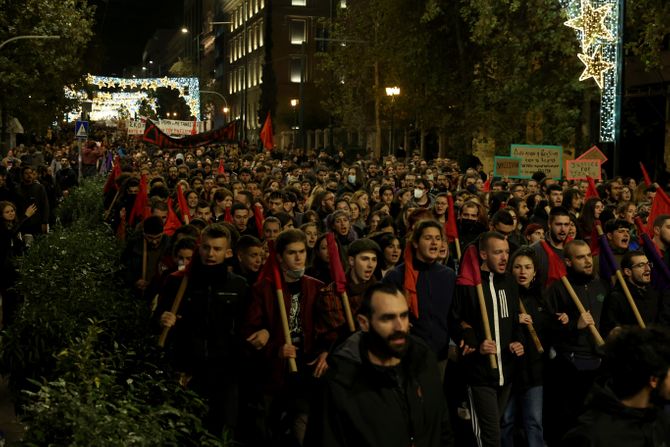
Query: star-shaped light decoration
592, 24
596, 66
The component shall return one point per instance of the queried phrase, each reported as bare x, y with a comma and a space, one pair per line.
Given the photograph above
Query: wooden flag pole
144, 260
626, 290
109, 210
175, 308
293, 366
347, 312
485, 321
580, 307
531, 330
457, 243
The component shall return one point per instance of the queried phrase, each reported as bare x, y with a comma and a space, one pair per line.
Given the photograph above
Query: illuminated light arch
188, 88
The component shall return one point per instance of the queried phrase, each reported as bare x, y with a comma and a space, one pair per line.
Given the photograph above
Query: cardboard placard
593, 154
534, 158
506, 167
580, 169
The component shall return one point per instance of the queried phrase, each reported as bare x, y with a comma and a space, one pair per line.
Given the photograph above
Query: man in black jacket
653, 305
489, 388
382, 387
625, 408
573, 370
204, 341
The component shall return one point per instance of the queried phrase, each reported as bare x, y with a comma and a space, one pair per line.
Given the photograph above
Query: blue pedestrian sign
81, 130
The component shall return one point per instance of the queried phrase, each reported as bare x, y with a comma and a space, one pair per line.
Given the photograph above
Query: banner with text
547, 159
170, 127
580, 169
507, 167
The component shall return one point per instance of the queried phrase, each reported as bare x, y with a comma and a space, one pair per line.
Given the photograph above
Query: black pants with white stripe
487, 406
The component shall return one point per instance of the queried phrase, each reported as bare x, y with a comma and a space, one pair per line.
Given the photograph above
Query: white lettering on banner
170, 127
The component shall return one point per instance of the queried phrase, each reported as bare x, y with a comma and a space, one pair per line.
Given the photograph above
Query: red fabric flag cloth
141, 206
194, 129
114, 173
258, 217
593, 243
557, 268
183, 205
469, 273
335, 264
227, 217
409, 281
221, 169
487, 185
645, 175
660, 274
270, 269
660, 206
450, 228
267, 137
591, 191
172, 222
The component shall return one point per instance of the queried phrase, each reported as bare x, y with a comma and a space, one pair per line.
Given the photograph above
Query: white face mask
430, 177
295, 274
418, 193
352, 179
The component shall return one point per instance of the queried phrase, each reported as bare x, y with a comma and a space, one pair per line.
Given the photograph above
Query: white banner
170, 127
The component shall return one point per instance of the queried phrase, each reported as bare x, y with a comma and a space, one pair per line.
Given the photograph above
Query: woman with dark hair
525, 404
587, 220
222, 199
573, 200
391, 252
320, 267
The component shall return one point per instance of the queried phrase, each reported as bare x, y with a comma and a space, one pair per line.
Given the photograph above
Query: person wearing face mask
383, 387
421, 195
204, 343
284, 391
572, 371
653, 304
524, 409
488, 388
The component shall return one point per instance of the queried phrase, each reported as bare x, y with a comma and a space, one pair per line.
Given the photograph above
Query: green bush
82, 361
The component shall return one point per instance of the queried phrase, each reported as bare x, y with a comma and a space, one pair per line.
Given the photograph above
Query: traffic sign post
81, 132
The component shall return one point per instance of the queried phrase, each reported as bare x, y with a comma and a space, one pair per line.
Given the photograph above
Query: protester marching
336, 300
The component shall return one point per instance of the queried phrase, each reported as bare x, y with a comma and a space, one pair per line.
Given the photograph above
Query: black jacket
654, 307
435, 290
207, 334
364, 405
608, 423
591, 293
466, 309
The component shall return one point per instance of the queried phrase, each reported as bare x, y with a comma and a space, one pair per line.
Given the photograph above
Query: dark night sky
122, 29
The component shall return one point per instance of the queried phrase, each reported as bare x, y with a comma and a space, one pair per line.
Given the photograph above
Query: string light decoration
596, 23
188, 88
108, 106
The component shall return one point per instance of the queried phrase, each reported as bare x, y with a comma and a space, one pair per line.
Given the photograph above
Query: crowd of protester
387, 334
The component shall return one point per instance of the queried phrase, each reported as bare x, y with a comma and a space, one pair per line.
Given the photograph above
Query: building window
260, 34
294, 68
298, 31
343, 4
298, 2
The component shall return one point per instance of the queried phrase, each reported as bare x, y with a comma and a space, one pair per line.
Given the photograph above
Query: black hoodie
609, 423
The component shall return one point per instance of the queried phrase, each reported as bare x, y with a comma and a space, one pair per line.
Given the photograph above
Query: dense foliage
81, 349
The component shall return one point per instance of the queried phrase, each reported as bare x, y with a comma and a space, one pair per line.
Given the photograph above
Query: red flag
183, 205
487, 185
172, 222
222, 169
227, 217
141, 206
450, 228
591, 191
194, 129
114, 173
258, 217
645, 174
409, 282
660, 206
270, 270
266, 134
469, 273
335, 264
557, 268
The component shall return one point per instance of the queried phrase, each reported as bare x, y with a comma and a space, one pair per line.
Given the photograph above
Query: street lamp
294, 104
392, 92
12, 39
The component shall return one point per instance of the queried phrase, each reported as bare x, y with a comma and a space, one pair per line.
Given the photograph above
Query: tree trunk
378, 124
